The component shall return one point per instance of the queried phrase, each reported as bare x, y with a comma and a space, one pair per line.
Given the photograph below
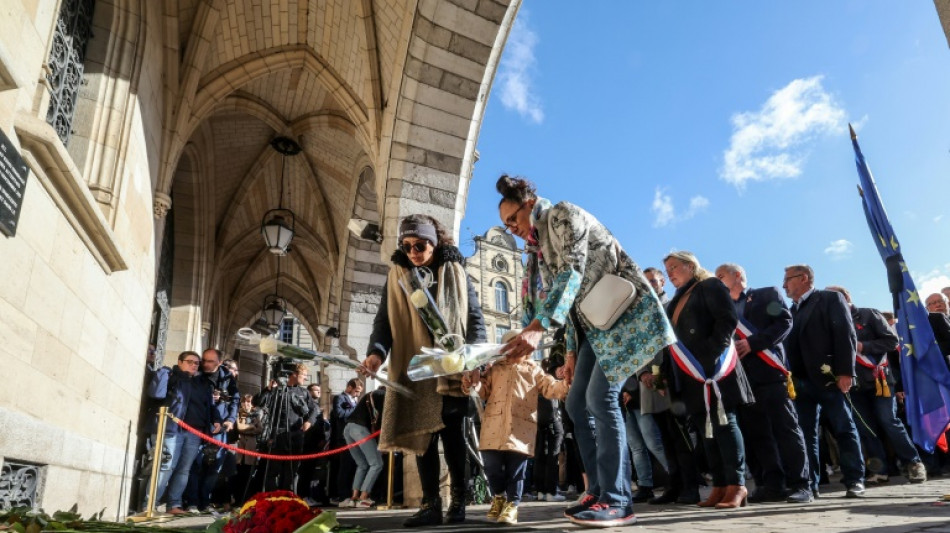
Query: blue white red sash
879, 370
745, 330
725, 365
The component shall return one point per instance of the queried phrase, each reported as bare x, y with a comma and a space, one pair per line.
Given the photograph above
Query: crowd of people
714, 384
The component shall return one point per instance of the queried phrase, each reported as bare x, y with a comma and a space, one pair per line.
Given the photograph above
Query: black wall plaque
13, 172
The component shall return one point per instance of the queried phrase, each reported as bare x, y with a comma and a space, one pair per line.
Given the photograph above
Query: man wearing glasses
821, 350
169, 387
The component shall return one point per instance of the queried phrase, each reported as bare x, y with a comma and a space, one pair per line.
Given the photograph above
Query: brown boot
716, 496
736, 496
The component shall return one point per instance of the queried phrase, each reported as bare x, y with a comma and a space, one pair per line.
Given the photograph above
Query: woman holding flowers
569, 252
438, 407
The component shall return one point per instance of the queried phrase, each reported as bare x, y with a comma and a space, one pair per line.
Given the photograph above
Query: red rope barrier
274, 457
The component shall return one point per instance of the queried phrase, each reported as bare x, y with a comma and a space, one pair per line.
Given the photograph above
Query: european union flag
925, 373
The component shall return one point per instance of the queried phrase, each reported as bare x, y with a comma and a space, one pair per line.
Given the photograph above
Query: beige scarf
408, 423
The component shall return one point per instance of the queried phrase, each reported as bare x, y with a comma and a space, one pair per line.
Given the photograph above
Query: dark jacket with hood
381, 339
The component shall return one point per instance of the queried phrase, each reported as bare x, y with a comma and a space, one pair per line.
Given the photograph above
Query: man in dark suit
821, 351
940, 321
770, 425
873, 398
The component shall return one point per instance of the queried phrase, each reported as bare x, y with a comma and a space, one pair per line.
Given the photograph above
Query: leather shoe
736, 496
763, 495
855, 490
668, 497
689, 497
798, 496
815, 494
642, 494
716, 496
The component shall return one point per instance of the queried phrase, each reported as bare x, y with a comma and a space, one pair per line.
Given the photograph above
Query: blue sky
721, 128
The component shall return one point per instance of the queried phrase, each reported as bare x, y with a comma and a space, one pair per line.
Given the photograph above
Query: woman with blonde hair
706, 376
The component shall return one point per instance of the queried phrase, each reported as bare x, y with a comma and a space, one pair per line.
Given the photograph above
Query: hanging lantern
275, 309
277, 228
278, 225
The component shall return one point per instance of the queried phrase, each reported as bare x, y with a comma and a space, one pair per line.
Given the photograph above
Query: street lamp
278, 225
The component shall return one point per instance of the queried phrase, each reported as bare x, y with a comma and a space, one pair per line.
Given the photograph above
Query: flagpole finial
854, 136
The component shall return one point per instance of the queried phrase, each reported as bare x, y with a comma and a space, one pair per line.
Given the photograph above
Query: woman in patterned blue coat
569, 251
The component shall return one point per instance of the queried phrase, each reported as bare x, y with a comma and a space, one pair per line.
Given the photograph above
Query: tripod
277, 436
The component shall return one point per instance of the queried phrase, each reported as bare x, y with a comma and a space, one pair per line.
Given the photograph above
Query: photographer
291, 411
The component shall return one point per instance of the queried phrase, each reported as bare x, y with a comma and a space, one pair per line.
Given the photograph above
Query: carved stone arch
189, 272
363, 272
430, 154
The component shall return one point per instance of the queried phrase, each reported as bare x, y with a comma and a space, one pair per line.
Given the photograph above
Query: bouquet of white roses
425, 305
436, 362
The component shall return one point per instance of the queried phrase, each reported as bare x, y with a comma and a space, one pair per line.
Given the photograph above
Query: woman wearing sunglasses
439, 407
569, 252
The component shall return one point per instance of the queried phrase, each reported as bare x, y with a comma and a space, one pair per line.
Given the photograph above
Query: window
500, 332
287, 331
500, 264
67, 63
501, 297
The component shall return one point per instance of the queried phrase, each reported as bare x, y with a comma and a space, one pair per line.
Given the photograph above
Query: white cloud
766, 144
931, 282
938, 218
839, 249
663, 208
516, 69
665, 212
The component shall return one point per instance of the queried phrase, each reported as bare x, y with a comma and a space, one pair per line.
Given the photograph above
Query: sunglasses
419, 246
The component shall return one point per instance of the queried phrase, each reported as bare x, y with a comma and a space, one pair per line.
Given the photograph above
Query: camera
281, 369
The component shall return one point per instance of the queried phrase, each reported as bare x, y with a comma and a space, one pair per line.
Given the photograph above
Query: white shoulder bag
607, 300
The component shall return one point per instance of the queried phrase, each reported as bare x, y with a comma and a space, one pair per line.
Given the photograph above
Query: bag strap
373, 413
681, 304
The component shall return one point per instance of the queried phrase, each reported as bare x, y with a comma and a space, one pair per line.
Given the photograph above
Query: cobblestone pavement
895, 507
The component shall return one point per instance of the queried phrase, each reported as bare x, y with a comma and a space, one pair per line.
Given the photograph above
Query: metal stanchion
149, 514
389, 489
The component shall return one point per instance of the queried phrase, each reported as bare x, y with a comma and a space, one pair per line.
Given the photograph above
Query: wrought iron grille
66, 63
18, 485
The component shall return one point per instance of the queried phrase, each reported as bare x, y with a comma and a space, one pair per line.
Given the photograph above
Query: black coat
766, 311
705, 326
877, 338
822, 334
381, 340
941, 326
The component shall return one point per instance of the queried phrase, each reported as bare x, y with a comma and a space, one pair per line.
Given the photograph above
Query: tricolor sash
744, 330
725, 364
880, 373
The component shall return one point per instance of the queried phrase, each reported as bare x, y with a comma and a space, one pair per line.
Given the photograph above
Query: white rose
419, 298
453, 364
825, 369
269, 345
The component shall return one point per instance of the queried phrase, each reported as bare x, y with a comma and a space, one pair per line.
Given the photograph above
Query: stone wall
76, 300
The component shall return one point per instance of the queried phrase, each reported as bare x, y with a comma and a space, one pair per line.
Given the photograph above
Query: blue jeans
880, 413
643, 438
725, 451
170, 444
505, 471
189, 445
593, 401
369, 463
810, 401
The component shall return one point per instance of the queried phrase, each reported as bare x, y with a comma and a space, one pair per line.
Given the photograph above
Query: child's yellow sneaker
497, 504
509, 515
